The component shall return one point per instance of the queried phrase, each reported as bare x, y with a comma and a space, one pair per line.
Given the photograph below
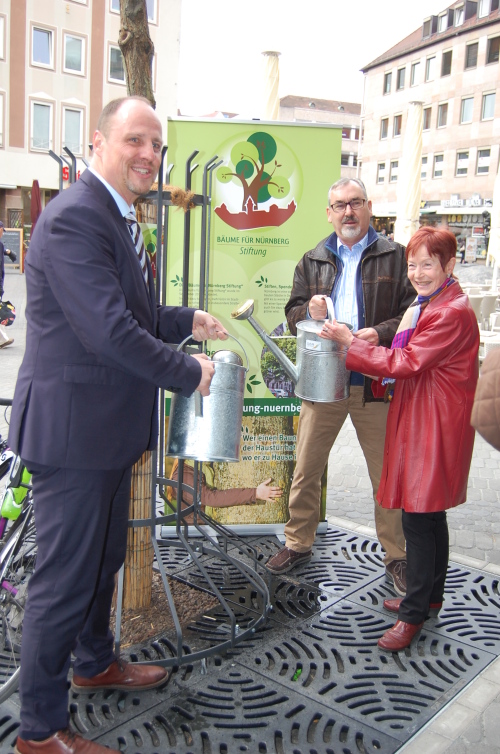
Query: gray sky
323, 43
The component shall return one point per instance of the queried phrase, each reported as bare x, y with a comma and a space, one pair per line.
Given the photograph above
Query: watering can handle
329, 308
190, 337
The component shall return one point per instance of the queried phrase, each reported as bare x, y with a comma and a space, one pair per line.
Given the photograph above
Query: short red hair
439, 243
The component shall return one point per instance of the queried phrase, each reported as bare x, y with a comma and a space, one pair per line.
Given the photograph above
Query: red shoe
399, 636
393, 606
123, 675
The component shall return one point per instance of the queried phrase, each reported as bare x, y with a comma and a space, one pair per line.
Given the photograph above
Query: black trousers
81, 519
427, 554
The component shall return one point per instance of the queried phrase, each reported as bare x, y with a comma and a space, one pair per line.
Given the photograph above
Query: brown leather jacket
383, 289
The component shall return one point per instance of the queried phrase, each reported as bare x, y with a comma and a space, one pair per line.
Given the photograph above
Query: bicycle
17, 562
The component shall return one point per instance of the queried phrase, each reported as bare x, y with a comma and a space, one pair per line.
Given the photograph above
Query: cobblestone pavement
471, 719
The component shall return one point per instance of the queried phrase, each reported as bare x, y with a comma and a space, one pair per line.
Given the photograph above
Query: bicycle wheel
17, 561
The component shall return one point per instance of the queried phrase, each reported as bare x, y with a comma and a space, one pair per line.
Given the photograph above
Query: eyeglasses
353, 204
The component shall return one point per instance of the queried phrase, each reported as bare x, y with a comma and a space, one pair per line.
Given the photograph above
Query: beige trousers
319, 425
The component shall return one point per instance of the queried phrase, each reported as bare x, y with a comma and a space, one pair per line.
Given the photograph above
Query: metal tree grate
309, 681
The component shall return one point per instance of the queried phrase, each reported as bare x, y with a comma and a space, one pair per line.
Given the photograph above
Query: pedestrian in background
4, 338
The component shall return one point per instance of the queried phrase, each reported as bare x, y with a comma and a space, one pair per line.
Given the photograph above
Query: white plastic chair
488, 307
476, 301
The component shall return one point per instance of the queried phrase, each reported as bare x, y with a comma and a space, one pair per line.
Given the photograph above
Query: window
483, 161
466, 110
344, 159
488, 106
116, 68
438, 166
426, 30
462, 163
73, 129
427, 118
2, 37
387, 82
356, 134
446, 63
471, 55
393, 175
74, 54
150, 5
430, 68
396, 131
42, 47
443, 22
423, 174
483, 8
459, 16
346, 132
381, 172
442, 115
384, 128
400, 78
493, 50
41, 125
415, 74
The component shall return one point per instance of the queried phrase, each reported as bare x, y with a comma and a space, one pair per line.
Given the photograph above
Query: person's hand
266, 492
369, 334
12, 255
339, 333
207, 372
206, 327
317, 307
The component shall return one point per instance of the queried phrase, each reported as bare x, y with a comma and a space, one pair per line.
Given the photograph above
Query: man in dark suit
85, 410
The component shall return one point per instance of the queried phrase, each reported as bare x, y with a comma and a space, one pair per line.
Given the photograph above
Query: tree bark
138, 574
137, 48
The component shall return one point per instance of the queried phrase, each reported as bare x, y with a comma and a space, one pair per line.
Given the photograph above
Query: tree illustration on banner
256, 169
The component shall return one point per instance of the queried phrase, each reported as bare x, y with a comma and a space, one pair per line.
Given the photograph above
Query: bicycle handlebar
5, 401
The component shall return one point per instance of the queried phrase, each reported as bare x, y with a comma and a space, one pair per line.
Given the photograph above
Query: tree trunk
138, 575
137, 48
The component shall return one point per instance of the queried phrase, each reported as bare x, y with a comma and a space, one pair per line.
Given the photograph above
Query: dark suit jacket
86, 393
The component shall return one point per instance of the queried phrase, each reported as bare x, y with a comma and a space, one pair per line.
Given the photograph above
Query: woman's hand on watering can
317, 307
369, 334
206, 327
266, 492
207, 372
339, 333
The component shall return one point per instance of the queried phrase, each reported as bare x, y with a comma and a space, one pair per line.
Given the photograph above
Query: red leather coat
429, 438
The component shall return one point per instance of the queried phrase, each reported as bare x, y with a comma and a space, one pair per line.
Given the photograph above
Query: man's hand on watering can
369, 334
206, 327
207, 372
337, 332
317, 307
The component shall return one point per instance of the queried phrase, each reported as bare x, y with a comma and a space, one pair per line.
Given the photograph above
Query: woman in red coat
430, 372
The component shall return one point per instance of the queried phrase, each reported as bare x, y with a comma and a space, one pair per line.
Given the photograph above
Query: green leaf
249, 388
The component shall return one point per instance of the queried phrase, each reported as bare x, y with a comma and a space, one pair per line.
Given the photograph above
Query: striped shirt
344, 299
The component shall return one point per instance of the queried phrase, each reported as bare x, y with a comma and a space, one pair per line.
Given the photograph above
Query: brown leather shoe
62, 742
395, 573
399, 636
286, 559
123, 675
393, 607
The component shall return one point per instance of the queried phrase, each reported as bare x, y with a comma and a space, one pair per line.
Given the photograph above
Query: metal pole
187, 231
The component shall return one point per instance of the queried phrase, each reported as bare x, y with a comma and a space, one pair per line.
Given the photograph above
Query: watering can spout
245, 312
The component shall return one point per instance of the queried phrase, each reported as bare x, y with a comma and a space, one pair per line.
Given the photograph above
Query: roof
329, 105
414, 41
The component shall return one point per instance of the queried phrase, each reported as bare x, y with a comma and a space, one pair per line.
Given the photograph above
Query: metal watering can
320, 374
209, 428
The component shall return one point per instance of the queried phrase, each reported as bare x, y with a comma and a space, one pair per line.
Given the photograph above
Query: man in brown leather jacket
366, 277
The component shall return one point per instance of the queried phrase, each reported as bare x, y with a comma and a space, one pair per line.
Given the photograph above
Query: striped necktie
136, 233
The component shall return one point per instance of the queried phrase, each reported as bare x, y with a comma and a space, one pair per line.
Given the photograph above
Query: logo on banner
256, 184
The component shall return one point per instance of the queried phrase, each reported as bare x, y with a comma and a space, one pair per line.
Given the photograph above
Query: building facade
347, 115
451, 65
59, 65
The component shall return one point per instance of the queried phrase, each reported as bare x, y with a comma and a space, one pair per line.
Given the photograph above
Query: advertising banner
269, 195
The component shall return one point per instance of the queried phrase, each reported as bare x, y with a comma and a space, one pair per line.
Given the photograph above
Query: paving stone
465, 538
